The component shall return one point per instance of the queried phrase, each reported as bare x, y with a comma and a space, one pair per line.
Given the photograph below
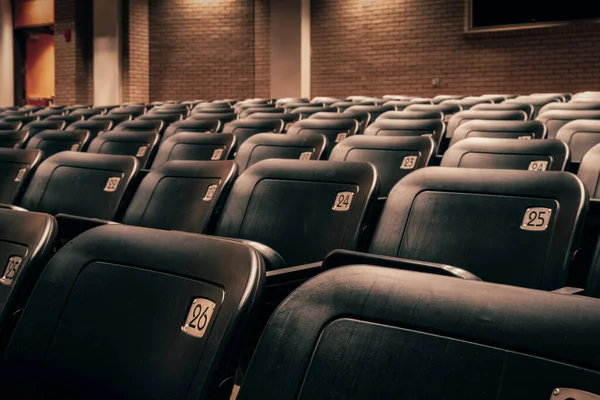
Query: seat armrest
568, 290
273, 260
339, 258
70, 226
293, 274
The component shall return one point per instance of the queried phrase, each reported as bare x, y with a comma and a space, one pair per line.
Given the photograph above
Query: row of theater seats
123, 311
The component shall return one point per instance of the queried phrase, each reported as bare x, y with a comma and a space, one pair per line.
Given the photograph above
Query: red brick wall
206, 49
398, 46
262, 48
136, 51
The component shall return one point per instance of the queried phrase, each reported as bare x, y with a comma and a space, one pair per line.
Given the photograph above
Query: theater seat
195, 146
81, 184
288, 119
26, 244
140, 125
114, 119
447, 109
526, 108
128, 312
9, 126
242, 129
373, 111
191, 125
589, 171
556, 119
272, 145
308, 110
524, 130
531, 155
68, 119
16, 168
364, 332
580, 135
412, 114
51, 142
362, 117
465, 116
140, 144
302, 209
182, 195
504, 226
10, 139
431, 128
335, 130
222, 117
394, 157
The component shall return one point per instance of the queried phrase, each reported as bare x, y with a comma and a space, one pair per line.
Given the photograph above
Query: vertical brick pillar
262, 48
136, 51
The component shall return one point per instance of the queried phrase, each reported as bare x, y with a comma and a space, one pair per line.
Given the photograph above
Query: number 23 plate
536, 219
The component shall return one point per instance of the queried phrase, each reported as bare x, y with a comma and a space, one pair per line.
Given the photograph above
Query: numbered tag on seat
343, 201
11, 270
536, 219
141, 151
524, 138
306, 156
112, 184
340, 137
216, 155
20, 174
210, 193
198, 317
75, 147
538, 166
409, 162
427, 135
572, 394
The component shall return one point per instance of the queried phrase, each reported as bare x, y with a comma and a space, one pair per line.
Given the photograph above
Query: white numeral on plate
210, 193
141, 151
217, 154
343, 201
536, 219
524, 137
340, 137
112, 184
11, 270
409, 162
20, 174
538, 166
198, 317
306, 156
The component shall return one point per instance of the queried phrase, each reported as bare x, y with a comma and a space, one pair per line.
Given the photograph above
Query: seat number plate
572, 394
11, 270
343, 201
20, 174
210, 193
524, 137
75, 147
409, 162
538, 166
141, 151
536, 219
112, 184
340, 137
306, 156
198, 317
217, 154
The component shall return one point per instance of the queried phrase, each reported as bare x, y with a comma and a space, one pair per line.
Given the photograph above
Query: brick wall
262, 48
206, 49
397, 47
136, 51
74, 59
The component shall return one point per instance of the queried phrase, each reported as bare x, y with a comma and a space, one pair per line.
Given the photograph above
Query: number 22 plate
536, 219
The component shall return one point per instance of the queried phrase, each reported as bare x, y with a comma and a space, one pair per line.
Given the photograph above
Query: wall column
290, 48
108, 74
7, 80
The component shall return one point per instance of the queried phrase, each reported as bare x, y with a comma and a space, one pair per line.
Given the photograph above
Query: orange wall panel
33, 13
39, 64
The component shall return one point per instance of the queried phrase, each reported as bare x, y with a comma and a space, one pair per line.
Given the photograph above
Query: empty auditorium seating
394, 157
525, 130
140, 125
373, 111
115, 119
26, 244
526, 108
222, 117
580, 136
9, 126
140, 144
467, 102
271, 145
399, 105
365, 332
287, 118
442, 97
81, 184
583, 105
196, 293
335, 130
68, 119
410, 114
93, 127
556, 119
447, 109
165, 118
88, 112
242, 129
302, 209
45, 113
503, 226
421, 100
192, 125
13, 139
342, 105
24, 119
464, 116
36, 127
307, 111
361, 117
132, 111
181, 195
252, 110
536, 102
531, 155
51, 142
16, 168
433, 128
196, 146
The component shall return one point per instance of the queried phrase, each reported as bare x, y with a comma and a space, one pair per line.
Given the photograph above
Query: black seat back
529, 155
524, 130
335, 130
273, 145
589, 171
580, 135
243, 129
361, 117
394, 157
288, 119
576, 105
414, 114
13, 139
373, 111
222, 117
536, 102
502, 225
302, 209
115, 119
182, 195
16, 168
249, 111
81, 184
139, 144
97, 293
87, 113
196, 146
26, 244
68, 119
309, 110
39, 126
363, 332
140, 125
93, 127
461, 117
556, 119
526, 108
9, 126
23, 120
51, 142
192, 125
447, 109
48, 112
133, 111
467, 103
432, 128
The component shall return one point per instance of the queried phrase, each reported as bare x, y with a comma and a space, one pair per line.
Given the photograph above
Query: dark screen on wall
487, 13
